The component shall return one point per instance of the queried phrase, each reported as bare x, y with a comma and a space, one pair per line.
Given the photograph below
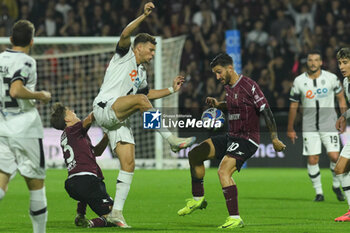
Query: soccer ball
213, 118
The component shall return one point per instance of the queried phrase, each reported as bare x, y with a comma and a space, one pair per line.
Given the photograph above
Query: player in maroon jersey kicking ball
244, 104
85, 179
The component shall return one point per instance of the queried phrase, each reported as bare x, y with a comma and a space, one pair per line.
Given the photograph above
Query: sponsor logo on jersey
234, 116
132, 75
320, 92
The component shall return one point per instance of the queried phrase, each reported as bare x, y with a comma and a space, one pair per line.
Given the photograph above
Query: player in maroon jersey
244, 104
85, 179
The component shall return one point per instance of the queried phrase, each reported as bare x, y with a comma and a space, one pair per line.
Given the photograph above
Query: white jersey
123, 77
18, 117
317, 97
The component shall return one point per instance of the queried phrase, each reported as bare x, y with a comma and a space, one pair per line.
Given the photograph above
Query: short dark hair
343, 53
222, 59
57, 116
144, 38
315, 51
22, 33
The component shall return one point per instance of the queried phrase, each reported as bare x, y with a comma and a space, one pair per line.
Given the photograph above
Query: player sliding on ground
244, 103
342, 168
85, 179
125, 91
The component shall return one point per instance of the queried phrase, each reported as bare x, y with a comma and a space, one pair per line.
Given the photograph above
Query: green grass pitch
270, 200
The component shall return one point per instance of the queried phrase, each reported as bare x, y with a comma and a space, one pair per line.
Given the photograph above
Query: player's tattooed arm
101, 146
271, 124
88, 121
125, 40
212, 102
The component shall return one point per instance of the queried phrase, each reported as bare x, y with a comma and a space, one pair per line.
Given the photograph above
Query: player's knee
223, 174
143, 102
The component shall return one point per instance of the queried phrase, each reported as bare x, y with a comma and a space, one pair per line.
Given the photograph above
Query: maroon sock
99, 222
231, 194
197, 187
81, 208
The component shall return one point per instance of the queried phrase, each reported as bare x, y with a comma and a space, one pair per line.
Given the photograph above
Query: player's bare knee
128, 166
143, 102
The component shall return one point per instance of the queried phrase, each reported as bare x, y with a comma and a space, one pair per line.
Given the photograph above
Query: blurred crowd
275, 35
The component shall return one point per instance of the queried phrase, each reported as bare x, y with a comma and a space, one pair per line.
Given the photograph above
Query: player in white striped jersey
316, 90
342, 168
124, 91
21, 130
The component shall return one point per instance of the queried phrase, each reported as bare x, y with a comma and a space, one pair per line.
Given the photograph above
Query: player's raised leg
38, 204
197, 156
125, 106
226, 169
126, 154
342, 169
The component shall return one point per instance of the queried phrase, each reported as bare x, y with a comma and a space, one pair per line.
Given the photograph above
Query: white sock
197, 198
235, 216
336, 180
123, 187
315, 176
345, 183
2, 194
38, 211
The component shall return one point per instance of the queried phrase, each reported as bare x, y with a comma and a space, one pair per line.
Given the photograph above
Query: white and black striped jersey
18, 117
317, 97
123, 77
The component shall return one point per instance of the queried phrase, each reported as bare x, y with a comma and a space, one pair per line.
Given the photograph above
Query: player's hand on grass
340, 125
292, 135
212, 102
177, 83
148, 8
278, 145
45, 96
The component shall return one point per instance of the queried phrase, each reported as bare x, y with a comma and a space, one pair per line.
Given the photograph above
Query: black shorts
238, 148
91, 190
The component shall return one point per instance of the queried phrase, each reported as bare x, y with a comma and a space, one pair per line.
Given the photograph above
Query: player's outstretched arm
156, 94
19, 91
212, 102
101, 146
291, 134
125, 41
88, 120
271, 124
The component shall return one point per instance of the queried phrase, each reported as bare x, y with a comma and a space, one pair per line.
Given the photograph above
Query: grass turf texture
270, 200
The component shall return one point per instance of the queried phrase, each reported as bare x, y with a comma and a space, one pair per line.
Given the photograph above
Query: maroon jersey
244, 102
78, 151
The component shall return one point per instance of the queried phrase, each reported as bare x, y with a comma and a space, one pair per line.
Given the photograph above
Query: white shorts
345, 152
23, 154
123, 133
104, 114
312, 142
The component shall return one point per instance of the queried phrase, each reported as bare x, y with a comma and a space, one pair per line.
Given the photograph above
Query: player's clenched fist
45, 96
278, 145
148, 8
212, 102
